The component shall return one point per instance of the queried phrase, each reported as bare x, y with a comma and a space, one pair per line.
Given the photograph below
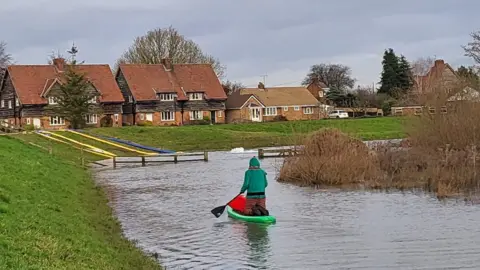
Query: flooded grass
442, 157
52, 216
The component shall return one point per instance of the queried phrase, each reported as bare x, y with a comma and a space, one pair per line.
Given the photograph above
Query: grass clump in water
52, 216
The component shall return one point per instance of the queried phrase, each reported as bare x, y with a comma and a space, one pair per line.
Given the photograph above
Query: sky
277, 38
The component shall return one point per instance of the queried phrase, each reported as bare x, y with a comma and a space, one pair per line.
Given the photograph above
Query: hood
254, 162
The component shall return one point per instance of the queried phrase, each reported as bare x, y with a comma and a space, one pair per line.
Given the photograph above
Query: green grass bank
252, 135
52, 216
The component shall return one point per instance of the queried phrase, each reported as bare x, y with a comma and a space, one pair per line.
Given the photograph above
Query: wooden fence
162, 158
278, 153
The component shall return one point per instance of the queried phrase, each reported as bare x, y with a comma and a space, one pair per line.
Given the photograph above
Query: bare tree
5, 58
333, 75
229, 87
167, 43
472, 49
422, 65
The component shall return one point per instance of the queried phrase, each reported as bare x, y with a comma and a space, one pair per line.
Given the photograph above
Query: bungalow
263, 104
28, 94
171, 94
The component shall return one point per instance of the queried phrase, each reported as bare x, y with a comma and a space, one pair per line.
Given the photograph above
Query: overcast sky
279, 38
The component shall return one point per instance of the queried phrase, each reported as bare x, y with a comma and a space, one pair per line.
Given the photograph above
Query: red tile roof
30, 81
146, 80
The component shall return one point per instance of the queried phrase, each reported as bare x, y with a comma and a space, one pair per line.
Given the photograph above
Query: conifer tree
389, 77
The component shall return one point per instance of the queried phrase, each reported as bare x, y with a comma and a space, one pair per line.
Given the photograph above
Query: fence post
114, 162
205, 156
260, 153
143, 161
175, 158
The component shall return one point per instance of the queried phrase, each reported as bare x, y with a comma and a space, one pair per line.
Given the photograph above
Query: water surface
166, 208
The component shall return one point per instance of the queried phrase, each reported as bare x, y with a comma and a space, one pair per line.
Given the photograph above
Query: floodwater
166, 209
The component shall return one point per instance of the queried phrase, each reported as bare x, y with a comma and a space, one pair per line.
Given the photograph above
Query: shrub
280, 118
29, 127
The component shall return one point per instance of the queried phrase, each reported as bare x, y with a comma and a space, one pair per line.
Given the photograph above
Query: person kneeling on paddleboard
254, 183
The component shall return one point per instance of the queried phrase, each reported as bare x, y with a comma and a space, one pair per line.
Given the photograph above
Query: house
318, 89
441, 85
171, 94
28, 94
263, 104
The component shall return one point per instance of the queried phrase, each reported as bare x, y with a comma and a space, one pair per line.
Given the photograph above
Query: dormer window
167, 97
92, 100
52, 100
17, 102
195, 96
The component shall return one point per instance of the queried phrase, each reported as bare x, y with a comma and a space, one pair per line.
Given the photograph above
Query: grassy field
52, 216
228, 136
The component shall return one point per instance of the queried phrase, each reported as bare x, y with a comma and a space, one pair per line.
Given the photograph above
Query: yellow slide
112, 143
87, 150
96, 149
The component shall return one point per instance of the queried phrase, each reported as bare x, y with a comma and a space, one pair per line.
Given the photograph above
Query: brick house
27, 95
264, 104
318, 89
442, 85
171, 94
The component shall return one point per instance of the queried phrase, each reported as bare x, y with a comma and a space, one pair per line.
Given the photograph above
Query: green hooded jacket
255, 180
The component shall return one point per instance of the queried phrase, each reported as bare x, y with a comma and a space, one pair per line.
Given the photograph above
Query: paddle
218, 211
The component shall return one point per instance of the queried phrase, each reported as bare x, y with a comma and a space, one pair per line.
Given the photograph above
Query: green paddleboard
255, 219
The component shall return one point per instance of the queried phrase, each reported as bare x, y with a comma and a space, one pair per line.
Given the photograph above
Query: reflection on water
167, 210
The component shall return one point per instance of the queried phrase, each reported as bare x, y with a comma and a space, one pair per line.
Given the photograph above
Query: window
142, 116
29, 121
17, 102
431, 110
130, 99
52, 100
92, 100
220, 113
115, 116
168, 116
9, 104
167, 97
269, 111
320, 93
3, 103
196, 115
57, 121
195, 96
91, 118
443, 109
296, 108
308, 110
285, 109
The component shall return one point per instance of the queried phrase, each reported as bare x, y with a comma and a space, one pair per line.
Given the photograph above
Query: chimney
59, 63
261, 86
167, 63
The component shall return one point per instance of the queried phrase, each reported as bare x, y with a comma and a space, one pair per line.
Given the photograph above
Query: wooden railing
162, 158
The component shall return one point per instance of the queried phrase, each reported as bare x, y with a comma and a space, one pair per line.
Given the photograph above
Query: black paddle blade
218, 211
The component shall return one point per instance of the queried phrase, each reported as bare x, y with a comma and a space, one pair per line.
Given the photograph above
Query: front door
37, 123
255, 114
149, 117
213, 115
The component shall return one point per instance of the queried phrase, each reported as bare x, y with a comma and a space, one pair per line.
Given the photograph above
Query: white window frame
285, 108
130, 99
2, 103
167, 116
60, 121
115, 117
91, 119
149, 115
167, 97
29, 121
10, 104
195, 96
270, 111
196, 115
320, 93
93, 100
307, 110
219, 114
52, 100
17, 102
142, 117
296, 108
